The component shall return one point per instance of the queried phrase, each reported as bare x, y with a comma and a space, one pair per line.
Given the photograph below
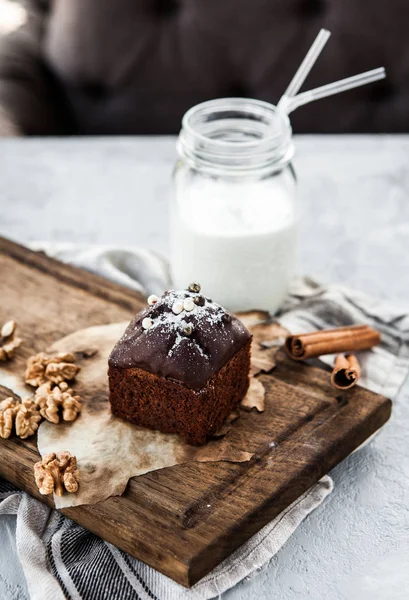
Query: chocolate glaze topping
190, 347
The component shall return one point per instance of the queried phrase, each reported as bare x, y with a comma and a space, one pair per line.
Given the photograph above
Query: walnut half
8, 342
57, 473
56, 368
24, 416
51, 399
8, 411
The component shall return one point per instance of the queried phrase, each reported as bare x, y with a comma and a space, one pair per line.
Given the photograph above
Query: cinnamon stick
331, 341
346, 371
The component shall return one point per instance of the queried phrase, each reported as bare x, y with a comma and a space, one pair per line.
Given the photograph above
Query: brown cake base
169, 406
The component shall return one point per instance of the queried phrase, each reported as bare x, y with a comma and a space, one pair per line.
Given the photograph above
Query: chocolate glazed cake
181, 366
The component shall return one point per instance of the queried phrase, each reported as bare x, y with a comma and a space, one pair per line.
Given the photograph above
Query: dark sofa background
135, 66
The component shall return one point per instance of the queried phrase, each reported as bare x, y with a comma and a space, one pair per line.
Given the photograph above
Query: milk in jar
233, 215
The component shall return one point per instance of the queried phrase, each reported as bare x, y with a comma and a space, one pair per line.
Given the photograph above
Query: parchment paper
110, 450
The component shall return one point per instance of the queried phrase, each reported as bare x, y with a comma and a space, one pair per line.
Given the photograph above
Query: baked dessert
181, 366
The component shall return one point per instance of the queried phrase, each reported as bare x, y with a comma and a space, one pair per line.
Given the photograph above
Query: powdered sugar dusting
189, 345
173, 323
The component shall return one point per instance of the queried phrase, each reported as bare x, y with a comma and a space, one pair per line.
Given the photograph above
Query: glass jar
233, 215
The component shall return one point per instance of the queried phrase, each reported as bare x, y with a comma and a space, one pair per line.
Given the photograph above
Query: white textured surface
355, 230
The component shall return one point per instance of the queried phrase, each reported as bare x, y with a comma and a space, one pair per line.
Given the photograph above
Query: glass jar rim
260, 135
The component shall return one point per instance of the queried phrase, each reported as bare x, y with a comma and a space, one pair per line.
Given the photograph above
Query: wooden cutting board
183, 520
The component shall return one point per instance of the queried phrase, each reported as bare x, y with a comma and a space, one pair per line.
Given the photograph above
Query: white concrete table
354, 196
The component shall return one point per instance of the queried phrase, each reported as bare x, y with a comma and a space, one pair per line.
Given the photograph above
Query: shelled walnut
24, 416
27, 419
7, 415
51, 399
56, 368
8, 342
57, 473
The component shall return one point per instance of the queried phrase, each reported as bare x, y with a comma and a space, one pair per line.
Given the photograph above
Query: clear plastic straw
306, 65
333, 88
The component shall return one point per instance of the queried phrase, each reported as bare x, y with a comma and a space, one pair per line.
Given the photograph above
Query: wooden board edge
210, 556
92, 283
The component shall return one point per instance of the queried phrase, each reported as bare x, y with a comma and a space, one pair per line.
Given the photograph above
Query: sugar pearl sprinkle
152, 299
147, 323
177, 307
199, 300
194, 287
188, 329
188, 304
